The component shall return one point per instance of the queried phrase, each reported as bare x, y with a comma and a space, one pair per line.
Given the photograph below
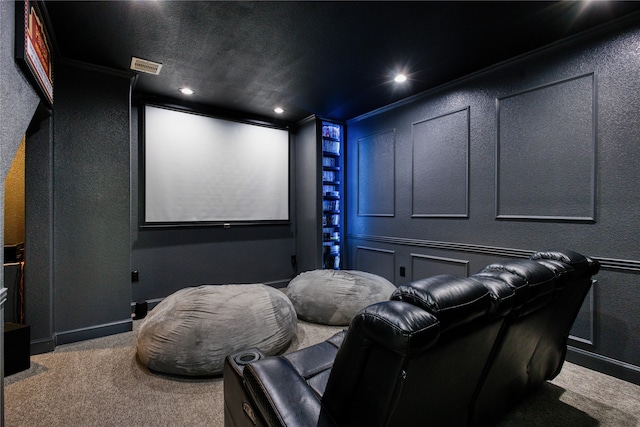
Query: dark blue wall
538, 153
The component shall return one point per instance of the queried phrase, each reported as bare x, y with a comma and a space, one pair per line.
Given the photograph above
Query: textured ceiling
333, 59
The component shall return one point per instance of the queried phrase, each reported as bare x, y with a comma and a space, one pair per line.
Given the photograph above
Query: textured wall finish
308, 212
18, 100
423, 266
583, 327
376, 174
546, 152
553, 163
39, 235
14, 199
377, 261
440, 166
91, 244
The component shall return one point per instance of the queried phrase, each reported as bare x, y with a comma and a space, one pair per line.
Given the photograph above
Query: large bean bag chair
334, 297
192, 331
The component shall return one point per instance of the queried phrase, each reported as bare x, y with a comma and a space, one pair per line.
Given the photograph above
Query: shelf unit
332, 195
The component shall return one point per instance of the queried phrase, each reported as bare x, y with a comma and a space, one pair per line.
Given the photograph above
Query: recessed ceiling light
278, 110
400, 78
186, 91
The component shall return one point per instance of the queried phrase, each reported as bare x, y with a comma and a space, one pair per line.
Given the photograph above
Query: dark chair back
416, 358
574, 273
506, 377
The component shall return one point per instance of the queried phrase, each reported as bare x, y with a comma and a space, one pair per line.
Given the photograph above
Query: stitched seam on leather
453, 307
502, 268
317, 371
434, 306
394, 326
318, 397
301, 376
498, 297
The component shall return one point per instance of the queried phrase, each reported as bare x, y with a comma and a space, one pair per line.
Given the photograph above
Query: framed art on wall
33, 47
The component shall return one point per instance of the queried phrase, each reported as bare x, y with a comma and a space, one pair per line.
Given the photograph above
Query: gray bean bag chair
334, 297
192, 331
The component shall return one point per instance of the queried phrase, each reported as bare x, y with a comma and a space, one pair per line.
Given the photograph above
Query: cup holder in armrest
247, 356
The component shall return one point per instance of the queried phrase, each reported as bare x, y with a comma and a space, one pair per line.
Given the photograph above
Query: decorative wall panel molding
584, 325
426, 266
546, 152
377, 261
610, 264
376, 174
440, 168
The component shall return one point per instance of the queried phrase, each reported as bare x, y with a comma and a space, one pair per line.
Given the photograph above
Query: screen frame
142, 192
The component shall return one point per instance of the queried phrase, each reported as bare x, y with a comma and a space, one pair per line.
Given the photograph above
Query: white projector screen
199, 169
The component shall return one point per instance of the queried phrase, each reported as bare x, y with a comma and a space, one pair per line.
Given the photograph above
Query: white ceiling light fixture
400, 78
278, 110
186, 91
145, 66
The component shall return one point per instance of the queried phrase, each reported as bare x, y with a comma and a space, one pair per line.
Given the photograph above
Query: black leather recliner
444, 350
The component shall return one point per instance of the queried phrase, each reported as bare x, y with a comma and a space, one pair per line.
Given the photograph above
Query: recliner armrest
282, 396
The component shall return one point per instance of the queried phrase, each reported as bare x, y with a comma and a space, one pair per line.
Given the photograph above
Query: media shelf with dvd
332, 218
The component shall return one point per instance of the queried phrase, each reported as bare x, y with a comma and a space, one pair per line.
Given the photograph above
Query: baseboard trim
43, 345
91, 332
606, 365
278, 284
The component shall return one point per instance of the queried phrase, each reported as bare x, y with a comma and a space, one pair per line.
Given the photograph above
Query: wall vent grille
144, 66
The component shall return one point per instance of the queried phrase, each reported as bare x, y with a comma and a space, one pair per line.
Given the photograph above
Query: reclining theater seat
418, 357
574, 272
444, 351
506, 378
295, 380
438, 384
532, 347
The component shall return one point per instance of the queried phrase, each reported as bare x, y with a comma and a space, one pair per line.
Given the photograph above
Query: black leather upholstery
506, 374
576, 271
301, 375
445, 351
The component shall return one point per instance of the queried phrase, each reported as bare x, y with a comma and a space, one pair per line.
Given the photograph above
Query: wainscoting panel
441, 166
377, 261
546, 152
426, 266
584, 326
376, 174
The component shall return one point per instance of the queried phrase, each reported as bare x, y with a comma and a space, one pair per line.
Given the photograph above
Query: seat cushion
334, 297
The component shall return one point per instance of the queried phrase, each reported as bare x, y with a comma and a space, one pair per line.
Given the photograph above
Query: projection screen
199, 169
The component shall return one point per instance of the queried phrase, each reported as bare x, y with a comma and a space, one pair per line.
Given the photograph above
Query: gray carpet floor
100, 382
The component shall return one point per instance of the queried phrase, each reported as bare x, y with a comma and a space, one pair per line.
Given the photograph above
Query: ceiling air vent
142, 65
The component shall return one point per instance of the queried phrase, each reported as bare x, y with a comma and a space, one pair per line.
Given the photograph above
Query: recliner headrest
540, 282
503, 296
564, 272
453, 300
582, 265
411, 329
